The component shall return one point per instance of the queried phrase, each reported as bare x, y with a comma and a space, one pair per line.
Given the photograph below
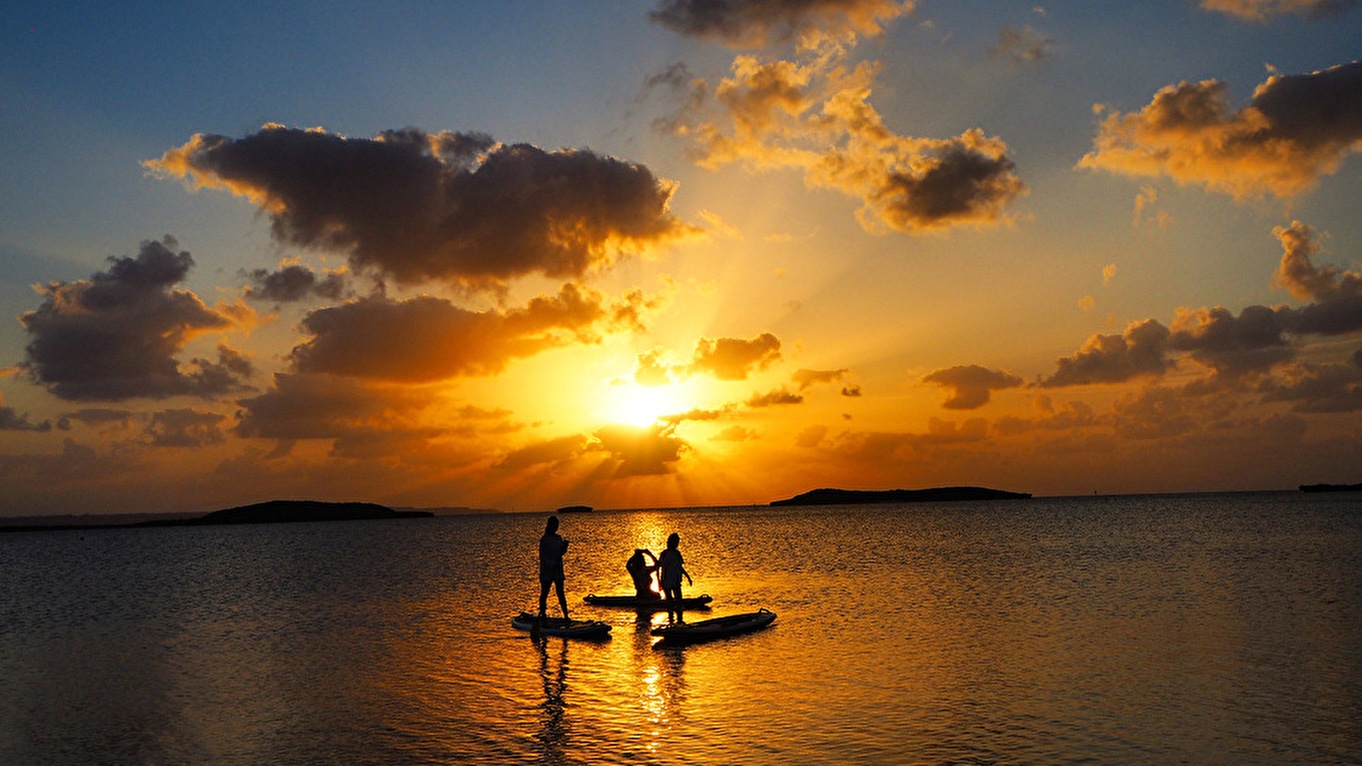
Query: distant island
1331, 487
867, 497
575, 509
270, 512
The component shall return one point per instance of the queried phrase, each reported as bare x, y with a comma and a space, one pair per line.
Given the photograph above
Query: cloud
650, 369
96, 416
1139, 351
807, 378
1319, 388
117, 335
1254, 341
1154, 413
1025, 45
815, 116
971, 385
185, 428
13, 421
774, 398
560, 451
649, 451
454, 207
1296, 129
1298, 274
318, 406
752, 23
294, 283
734, 358
427, 338
1262, 10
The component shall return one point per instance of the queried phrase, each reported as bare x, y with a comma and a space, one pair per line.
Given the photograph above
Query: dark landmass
575, 509
1331, 487
866, 497
271, 512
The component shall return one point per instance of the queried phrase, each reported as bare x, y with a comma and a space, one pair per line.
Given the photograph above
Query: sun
636, 405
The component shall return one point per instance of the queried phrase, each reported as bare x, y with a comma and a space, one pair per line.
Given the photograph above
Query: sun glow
636, 405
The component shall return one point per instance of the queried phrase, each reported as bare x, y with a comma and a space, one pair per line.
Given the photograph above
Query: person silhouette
672, 567
552, 546
642, 573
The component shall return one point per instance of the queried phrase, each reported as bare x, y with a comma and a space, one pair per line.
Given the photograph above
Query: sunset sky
518, 255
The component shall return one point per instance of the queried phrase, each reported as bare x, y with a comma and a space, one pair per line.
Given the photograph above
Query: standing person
642, 572
552, 546
672, 567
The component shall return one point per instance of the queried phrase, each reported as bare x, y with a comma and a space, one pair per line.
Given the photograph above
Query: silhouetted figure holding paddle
672, 568
642, 572
552, 546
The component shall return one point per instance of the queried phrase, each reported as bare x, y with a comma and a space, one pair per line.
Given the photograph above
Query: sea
1162, 629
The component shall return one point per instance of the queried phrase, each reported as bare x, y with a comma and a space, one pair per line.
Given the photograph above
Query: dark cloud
807, 378
1139, 351
1262, 10
851, 391
649, 451
1023, 45
756, 22
734, 358
1297, 128
553, 452
1319, 388
95, 416
427, 338
1154, 413
185, 428
774, 398
1254, 341
294, 283
13, 421
456, 207
117, 335
1338, 295
971, 385
959, 181
331, 407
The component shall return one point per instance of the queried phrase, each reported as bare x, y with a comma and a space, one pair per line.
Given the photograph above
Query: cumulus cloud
1298, 274
774, 398
1111, 358
10, 420
318, 406
971, 385
1296, 129
427, 338
1315, 388
734, 358
807, 378
551, 452
1262, 10
293, 283
755, 22
649, 451
185, 428
455, 207
815, 115
1254, 341
117, 335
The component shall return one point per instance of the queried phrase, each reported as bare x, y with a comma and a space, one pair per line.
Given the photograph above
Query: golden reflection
553, 731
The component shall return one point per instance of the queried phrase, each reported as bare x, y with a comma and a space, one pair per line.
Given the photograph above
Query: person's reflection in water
553, 729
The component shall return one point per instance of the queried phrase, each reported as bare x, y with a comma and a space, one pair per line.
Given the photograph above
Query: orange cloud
1298, 275
1262, 10
1139, 351
427, 338
1297, 128
733, 358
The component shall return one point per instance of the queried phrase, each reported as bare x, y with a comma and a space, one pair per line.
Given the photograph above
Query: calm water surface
1163, 629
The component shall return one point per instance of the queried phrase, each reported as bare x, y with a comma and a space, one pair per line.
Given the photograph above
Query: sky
520, 255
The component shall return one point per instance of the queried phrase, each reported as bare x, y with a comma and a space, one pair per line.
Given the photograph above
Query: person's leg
543, 596
679, 596
562, 597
